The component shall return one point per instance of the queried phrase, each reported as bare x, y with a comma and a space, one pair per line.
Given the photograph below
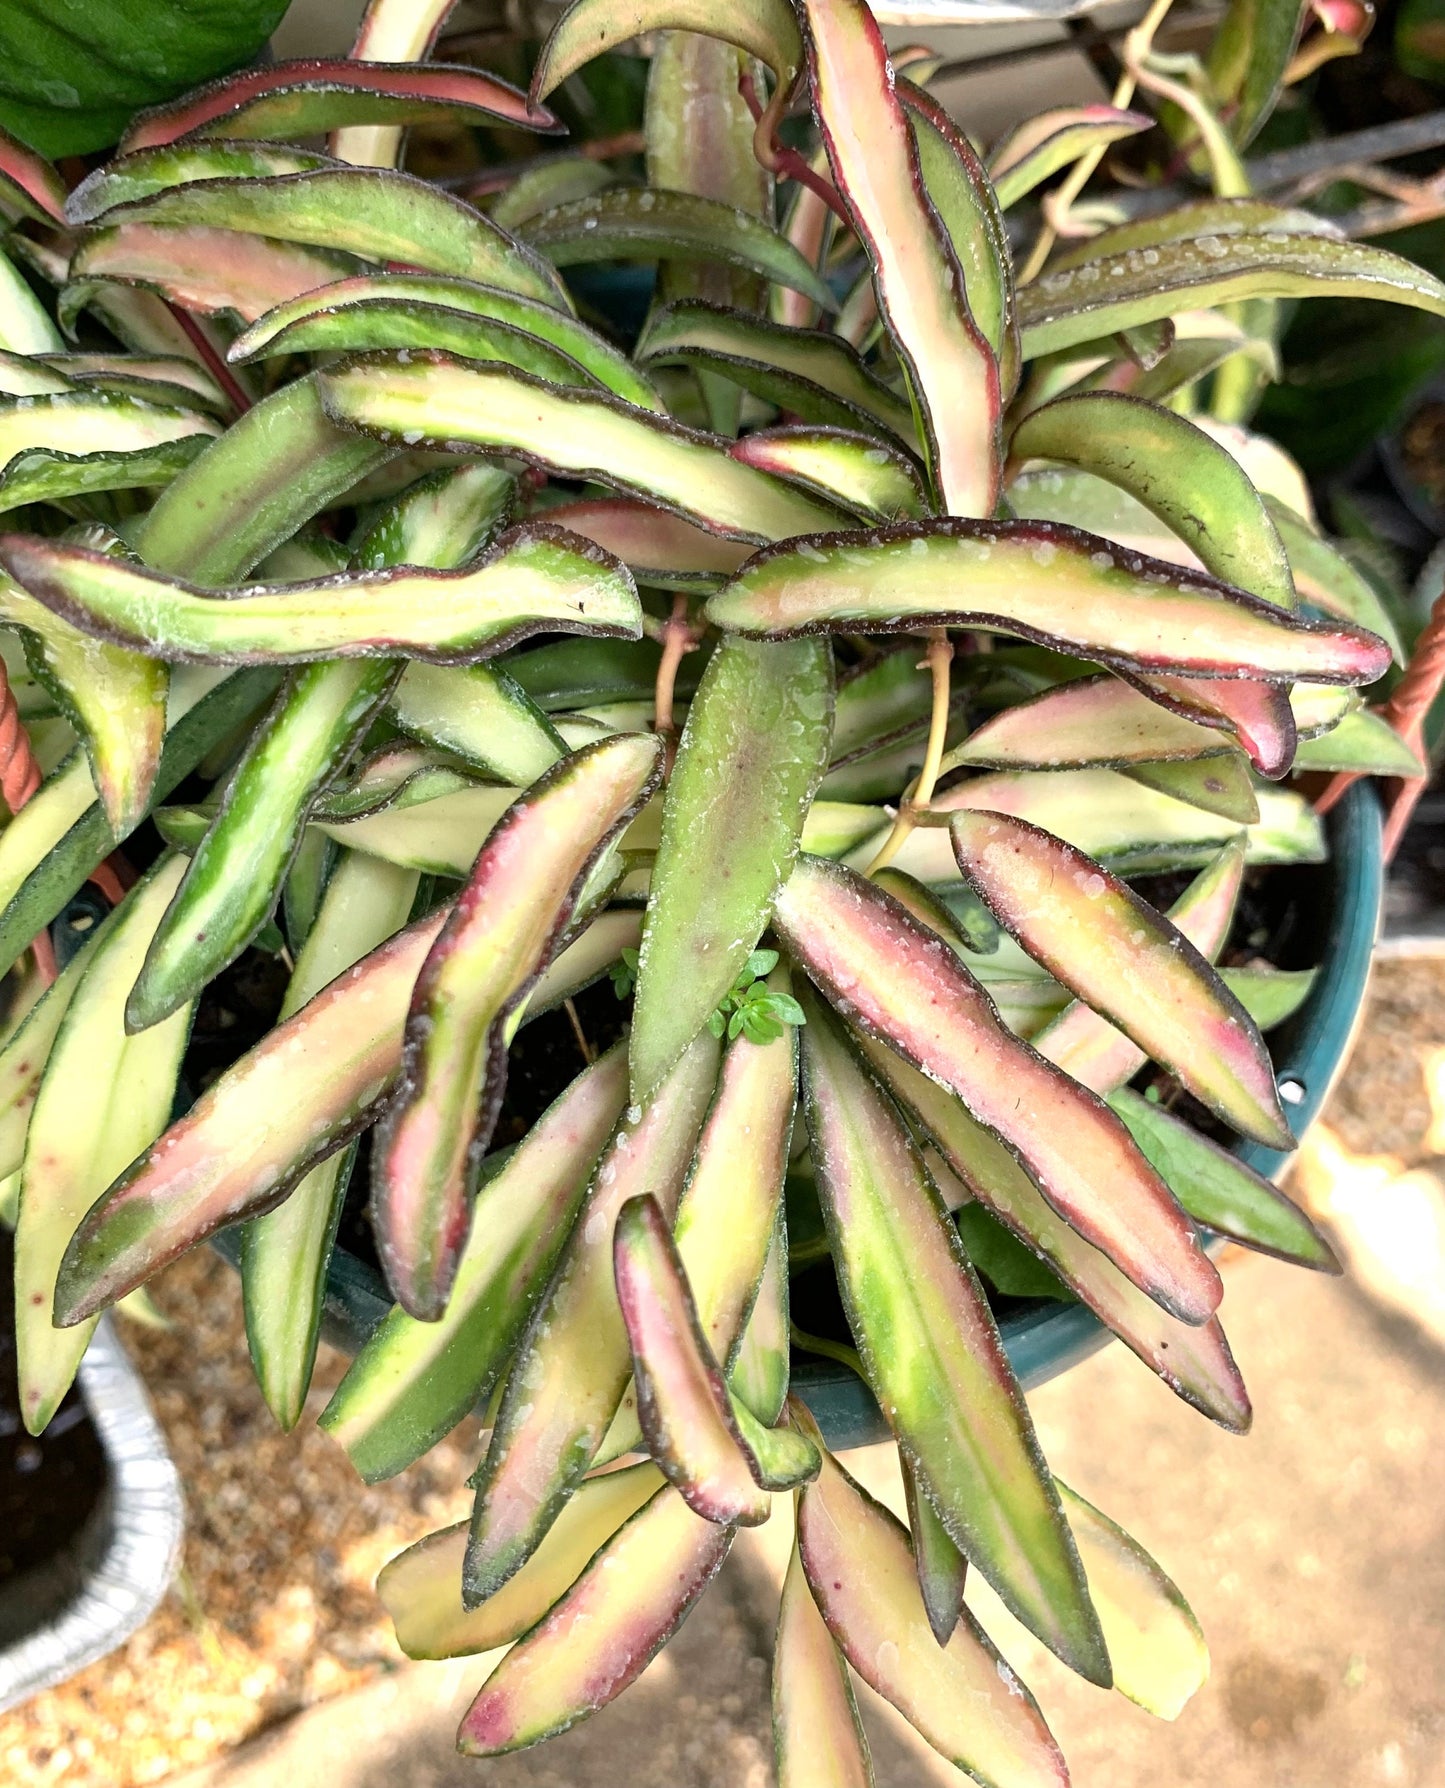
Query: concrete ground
1313, 1552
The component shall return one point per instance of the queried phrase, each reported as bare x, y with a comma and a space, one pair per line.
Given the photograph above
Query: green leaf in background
72, 72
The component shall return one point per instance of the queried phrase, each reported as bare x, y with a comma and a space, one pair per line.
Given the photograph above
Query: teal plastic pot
1340, 912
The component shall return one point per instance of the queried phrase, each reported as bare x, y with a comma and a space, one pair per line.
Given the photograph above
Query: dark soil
49, 1487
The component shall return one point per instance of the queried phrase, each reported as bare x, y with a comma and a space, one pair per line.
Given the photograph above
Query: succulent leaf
932, 1354
414, 1381
818, 1738
902, 984
572, 1364
1126, 960
751, 757
961, 1697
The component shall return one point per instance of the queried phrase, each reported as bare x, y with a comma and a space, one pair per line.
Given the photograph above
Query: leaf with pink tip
29, 185
731, 1207
767, 29
208, 270
1051, 140
291, 101
1093, 720
920, 286
414, 1381
1194, 1362
421, 1589
818, 1739
682, 1398
961, 1697
860, 473
495, 942
604, 1632
902, 984
297, 1097
572, 1364
1257, 714
1088, 1047
931, 1351
374, 213
1046, 582
1122, 956
942, 1568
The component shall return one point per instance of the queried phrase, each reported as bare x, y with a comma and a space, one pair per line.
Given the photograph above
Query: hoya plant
861, 701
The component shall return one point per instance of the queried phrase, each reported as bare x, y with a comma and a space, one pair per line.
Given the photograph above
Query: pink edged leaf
1050, 140
290, 101
203, 269
1093, 720
1046, 582
960, 193
931, 1351
818, 1739
1155, 1643
414, 1381
297, 1097
29, 186
1257, 714
496, 941
919, 283
731, 1207
1088, 1047
961, 1697
767, 29
461, 406
682, 1399
421, 1589
374, 213
1194, 1362
604, 1632
536, 578
1125, 959
874, 481
573, 1362
942, 1568
898, 982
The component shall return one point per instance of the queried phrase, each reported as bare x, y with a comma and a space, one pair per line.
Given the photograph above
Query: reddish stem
786, 163
19, 779
1406, 709
215, 365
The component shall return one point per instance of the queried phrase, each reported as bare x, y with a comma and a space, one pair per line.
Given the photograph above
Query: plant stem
678, 639
939, 660
786, 163
1136, 47
589, 1055
215, 365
